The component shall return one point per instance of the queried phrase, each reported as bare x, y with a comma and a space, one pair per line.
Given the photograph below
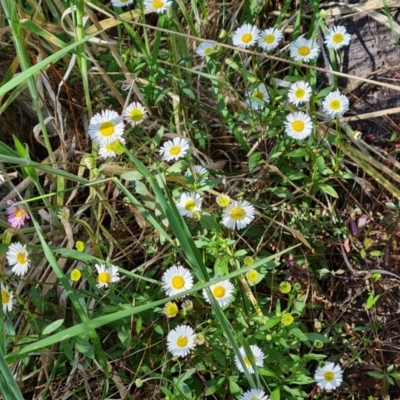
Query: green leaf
371, 301
214, 385
281, 192
328, 190
376, 375
298, 153
234, 387
140, 188
324, 92
254, 160
84, 347
271, 323
312, 337
299, 334
132, 176
52, 327
276, 394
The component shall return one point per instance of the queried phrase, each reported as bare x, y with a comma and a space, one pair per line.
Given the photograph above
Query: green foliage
126, 211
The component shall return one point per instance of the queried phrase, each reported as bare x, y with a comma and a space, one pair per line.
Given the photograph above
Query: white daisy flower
181, 340
63, 214
205, 49
17, 258
298, 125
112, 149
335, 104
200, 171
299, 92
222, 292
329, 377
303, 50
254, 394
223, 200
189, 203
176, 279
106, 275
269, 38
238, 214
245, 36
174, 149
157, 6
337, 37
135, 113
121, 3
106, 127
257, 356
258, 97
6, 298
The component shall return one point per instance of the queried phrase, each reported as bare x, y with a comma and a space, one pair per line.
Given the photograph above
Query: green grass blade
8, 387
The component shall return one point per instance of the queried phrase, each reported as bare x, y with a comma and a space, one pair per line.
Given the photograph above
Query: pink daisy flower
17, 215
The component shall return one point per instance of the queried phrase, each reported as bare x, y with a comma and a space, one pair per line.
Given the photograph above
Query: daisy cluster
298, 125
157, 6
182, 339
301, 49
107, 128
236, 214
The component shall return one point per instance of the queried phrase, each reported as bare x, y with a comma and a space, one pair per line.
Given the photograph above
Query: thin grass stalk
79, 8
10, 10
8, 387
76, 301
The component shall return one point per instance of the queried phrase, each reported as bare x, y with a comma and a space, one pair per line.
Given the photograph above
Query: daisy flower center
299, 93
224, 201
219, 292
136, 115
175, 150
304, 51
21, 258
104, 277
259, 95
76, 275
107, 129
247, 361
253, 275
269, 38
208, 51
5, 297
247, 38
255, 398
158, 4
335, 105
337, 38
287, 319
171, 309
298, 126
190, 205
238, 213
116, 147
178, 282
329, 376
182, 341
19, 214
